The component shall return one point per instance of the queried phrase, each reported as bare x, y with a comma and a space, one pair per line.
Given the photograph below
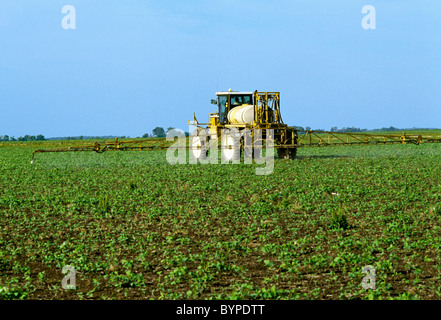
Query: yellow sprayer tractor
245, 121
242, 116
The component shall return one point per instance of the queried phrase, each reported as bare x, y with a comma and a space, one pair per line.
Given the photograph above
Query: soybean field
132, 226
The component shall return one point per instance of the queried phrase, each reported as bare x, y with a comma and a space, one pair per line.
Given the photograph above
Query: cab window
240, 100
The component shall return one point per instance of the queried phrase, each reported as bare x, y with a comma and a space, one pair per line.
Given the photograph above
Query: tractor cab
227, 100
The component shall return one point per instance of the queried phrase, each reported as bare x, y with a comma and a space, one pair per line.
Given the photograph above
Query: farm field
135, 227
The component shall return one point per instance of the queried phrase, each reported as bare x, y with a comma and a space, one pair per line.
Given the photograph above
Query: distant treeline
87, 137
354, 129
27, 137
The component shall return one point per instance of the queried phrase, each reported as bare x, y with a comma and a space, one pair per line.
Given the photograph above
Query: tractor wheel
292, 153
287, 153
247, 153
283, 153
257, 153
199, 147
230, 146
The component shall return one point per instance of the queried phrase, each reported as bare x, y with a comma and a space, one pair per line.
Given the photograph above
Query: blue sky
132, 65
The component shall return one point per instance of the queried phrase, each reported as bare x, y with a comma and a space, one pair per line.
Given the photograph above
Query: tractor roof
222, 93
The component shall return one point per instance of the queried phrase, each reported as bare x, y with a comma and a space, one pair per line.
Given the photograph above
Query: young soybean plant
103, 203
338, 219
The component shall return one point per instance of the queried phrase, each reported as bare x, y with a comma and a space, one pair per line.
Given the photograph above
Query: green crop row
135, 227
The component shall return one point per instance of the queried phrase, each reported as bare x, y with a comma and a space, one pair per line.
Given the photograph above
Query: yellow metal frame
265, 117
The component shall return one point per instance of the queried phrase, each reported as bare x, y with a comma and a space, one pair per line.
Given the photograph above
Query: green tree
159, 132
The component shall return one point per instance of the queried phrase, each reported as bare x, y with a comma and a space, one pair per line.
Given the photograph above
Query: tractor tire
283, 153
199, 147
292, 153
257, 153
230, 147
287, 153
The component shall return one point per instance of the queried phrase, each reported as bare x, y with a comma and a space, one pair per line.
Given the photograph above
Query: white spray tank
243, 114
